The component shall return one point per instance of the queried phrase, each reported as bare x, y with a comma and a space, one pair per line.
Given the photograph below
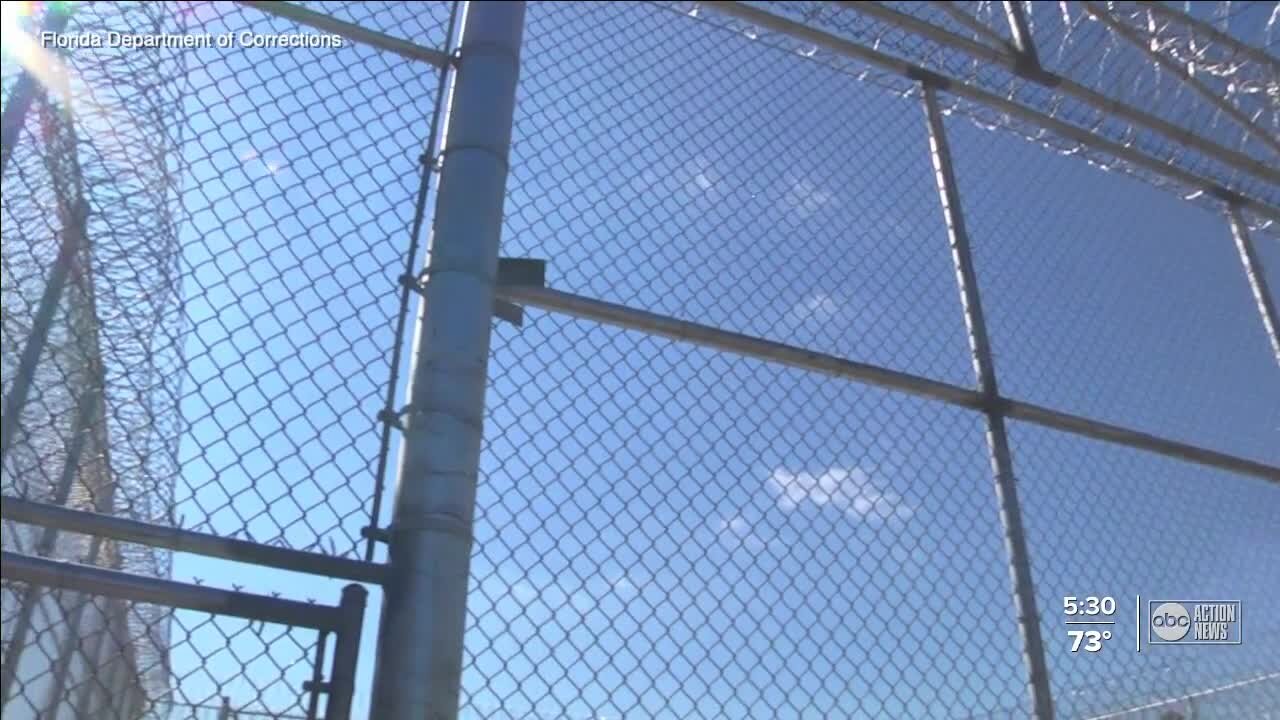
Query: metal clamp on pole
376, 534
517, 272
512, 272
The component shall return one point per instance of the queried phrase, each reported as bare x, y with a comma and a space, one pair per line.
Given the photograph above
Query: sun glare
10, 12
22, 46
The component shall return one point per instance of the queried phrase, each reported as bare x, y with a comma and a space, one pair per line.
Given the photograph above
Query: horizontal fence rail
625, 317
58, 574
351, 31
160, 536
200, 319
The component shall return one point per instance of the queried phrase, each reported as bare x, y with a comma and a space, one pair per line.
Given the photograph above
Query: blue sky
711, 180
668, 531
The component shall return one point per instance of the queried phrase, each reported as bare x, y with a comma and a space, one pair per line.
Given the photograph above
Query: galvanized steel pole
346, 649
1006, 487
419, 662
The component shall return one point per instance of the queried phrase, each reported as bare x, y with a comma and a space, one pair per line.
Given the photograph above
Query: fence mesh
301, 208
1075, 45
803, 216
677, 533
669, 531
222, 346
662, 529
1114, 521
1114, 300
266, 327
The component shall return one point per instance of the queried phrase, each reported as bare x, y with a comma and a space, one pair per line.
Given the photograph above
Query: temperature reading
1095, 613
1090, 640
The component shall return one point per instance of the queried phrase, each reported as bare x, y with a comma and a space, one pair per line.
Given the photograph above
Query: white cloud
819, 306
736, 530
699, 176
804, 196
620, 583
815, 312
523, 591
848, 490
256, 163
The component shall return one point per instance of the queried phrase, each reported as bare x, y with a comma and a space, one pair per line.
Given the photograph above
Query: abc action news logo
1194, 622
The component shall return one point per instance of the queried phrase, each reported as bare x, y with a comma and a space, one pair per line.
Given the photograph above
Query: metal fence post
346, 649
1257, 277
997, 438
1020, 33
21, 621
16, 401
420, 638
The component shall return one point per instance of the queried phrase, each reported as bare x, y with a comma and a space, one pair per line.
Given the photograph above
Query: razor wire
1072, 44
262, 303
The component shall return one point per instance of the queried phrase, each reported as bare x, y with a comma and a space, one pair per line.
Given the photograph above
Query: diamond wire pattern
1073, 45
1103, 520
672, 166
1116, 301
227, 324
423, 23
661, 530
669, 531
302, 208
256, 361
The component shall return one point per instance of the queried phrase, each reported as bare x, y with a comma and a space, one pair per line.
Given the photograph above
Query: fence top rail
1066, 86
350, 31
958, 87
138, 588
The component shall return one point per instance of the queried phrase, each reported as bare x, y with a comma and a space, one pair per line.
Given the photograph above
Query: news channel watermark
1194, 622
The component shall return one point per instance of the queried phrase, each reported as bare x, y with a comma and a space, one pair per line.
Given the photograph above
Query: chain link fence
743, 450
668, 530
200, 305
1191, 83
